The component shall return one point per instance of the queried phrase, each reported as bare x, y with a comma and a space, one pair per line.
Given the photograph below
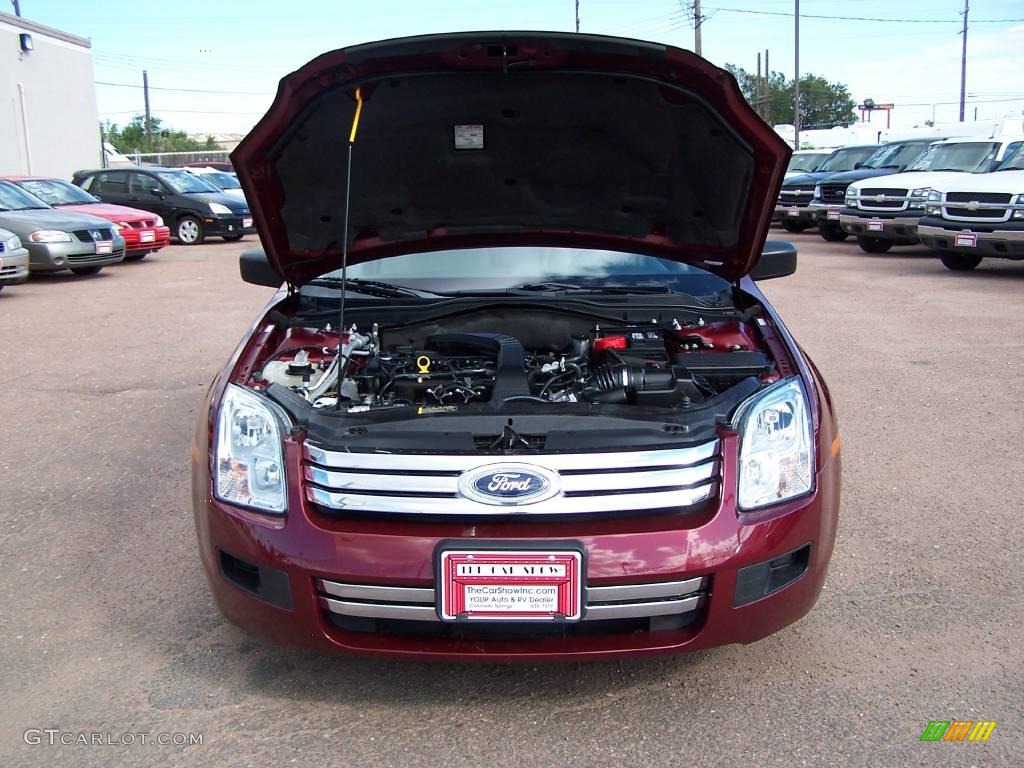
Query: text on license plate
147, 236
793, 212
499, 585
875, 225
966, 240
833, 215
246, 223
104, 246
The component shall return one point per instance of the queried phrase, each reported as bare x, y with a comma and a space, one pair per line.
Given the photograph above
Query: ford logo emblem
509, 484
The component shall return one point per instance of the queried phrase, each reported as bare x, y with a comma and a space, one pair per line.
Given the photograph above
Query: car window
109, 183
805, 163
1013, 160
56, 192
845, 159
966, 156
184, 182
144, 183
14, 198
895, 155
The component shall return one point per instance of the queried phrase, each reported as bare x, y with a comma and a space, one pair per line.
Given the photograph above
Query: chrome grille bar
621, 601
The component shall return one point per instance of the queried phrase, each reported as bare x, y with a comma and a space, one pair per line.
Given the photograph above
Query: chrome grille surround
621, 601
891, 199
427, 484
992, 207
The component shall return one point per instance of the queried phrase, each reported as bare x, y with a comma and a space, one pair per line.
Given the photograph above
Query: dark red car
143, 232
561, 421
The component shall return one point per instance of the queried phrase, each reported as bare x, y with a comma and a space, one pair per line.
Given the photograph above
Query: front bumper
825, 213
228, 224
900, 226
1004, 240
13, 266
133, 242
305, 557
799, 213
53, 257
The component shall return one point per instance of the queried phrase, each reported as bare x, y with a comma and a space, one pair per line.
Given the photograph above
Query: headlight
934, 196
918, 197
249, 465
851, 195
817, 191
1019, 202
13, 243
159, 221
776, 449
218, 208
50, 236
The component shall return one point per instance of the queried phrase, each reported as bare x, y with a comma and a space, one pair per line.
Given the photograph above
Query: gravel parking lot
106, 624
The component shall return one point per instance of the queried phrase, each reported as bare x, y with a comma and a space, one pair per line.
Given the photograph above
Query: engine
664, 366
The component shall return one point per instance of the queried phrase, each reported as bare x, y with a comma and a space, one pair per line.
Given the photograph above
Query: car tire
232, 238
82, 271
960, 262
136, 256
794, 226
832, 233
873, 244
189, 230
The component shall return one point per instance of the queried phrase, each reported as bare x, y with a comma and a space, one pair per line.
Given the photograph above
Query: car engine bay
491, 357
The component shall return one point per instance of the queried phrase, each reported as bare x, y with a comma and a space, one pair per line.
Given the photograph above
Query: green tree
823, 104
132, 138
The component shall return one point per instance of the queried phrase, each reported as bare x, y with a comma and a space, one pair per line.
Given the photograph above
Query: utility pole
696, 27
17, 8
963, 62
577, 15
767, 89
758, 90
796, 77
145, 95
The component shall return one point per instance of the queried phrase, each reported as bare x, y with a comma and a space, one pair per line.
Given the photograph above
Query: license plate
875, 225
832, 215
510, 585
246, 223
793, 212
966, 240
104, 246
147, 236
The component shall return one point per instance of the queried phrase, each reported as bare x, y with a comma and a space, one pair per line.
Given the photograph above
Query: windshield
966, 156
895, 155
57, 192
222, 180
496, 269
1014, 159
845, 159
14, 198
805, 162
184, 182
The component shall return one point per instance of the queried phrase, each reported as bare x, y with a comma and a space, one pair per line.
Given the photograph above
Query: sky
214, 65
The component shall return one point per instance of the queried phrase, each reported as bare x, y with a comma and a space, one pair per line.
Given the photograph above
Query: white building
49, 123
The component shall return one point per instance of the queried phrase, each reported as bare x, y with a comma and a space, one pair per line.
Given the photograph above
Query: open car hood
511, 138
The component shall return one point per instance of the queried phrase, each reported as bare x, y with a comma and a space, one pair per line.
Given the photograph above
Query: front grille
833, 193
981, 206
3, 246
427, 484
411, 610
12, 271
86, 235
893, 199
798, 194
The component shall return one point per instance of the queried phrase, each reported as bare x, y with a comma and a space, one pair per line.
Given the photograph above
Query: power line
187, 90
866, 18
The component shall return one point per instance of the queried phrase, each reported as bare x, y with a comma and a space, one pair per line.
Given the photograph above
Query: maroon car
518, 396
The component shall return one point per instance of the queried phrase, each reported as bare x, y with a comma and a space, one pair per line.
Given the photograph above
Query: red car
561, 420
143, 232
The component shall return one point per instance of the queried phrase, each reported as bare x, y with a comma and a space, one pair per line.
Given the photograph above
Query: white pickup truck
971, 217
882, 212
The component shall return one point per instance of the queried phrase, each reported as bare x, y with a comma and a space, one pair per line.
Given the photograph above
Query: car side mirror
157, 193
255, 268
98, 198
778, 259
858, 166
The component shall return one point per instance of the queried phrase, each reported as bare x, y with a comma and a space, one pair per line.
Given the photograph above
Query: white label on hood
469, 136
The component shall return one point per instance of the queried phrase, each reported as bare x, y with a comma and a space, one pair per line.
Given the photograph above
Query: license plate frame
104, 246
795, 212
246, 223
965, 240
518, 596
876, 225
147, 236
832, 215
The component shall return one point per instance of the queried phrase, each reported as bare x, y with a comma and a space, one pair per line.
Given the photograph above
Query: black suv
191, 207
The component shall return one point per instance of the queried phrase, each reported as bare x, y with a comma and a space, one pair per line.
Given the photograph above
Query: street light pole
963, 63
796, 77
